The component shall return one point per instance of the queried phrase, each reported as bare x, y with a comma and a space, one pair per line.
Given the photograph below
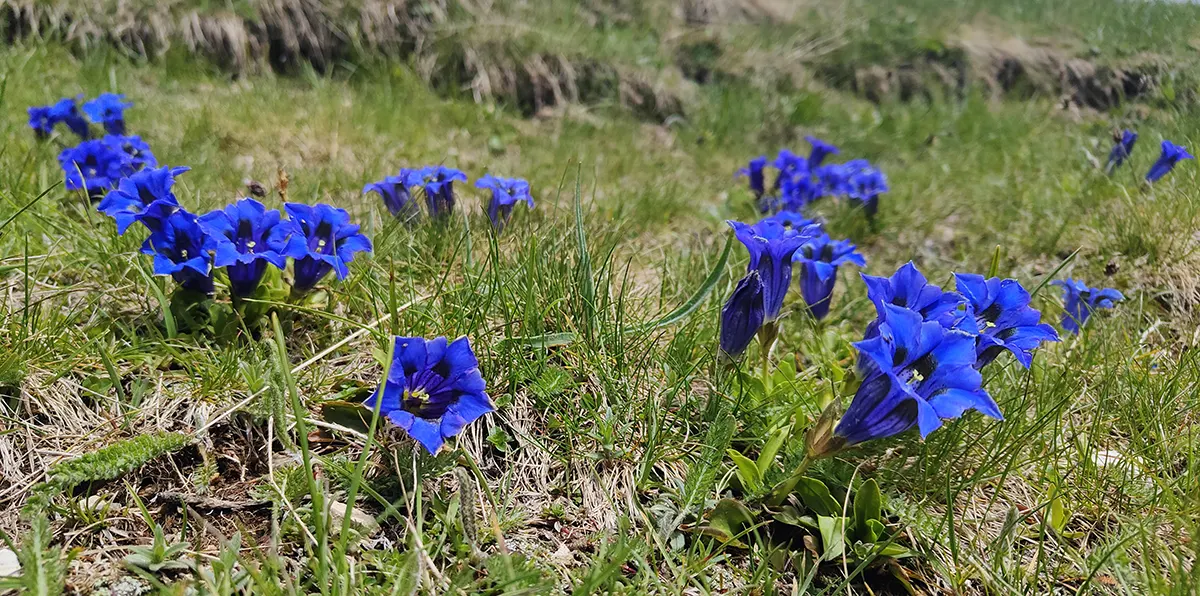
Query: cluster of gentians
98, 162
920, 359
1170, 155
436, 185
243, 238
788, 238
800, 180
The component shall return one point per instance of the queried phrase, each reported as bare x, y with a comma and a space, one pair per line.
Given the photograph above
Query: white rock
9, 565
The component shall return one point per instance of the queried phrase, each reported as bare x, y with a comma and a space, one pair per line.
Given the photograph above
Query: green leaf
875, 530
1056, 514
407, 574
350, 415
791, 516
833, 539
868, 507
687, 308
815, 495
729, 519
747, 472
767, 456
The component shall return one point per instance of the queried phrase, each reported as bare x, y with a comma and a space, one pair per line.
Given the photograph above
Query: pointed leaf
833, 539
747, 472
868, 506
815, 495
767, 456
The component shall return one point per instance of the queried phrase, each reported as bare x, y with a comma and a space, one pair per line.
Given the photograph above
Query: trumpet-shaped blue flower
438, 183
320, 239
1121, 150
433, 389
396, 192
506, 192
181, 249
916, 373
246, 241
784, 223
1079, 301
108, 109
1171, 155
820, 150
798, 190
789, 166
908, 288
41, 121
758, 180
137, 150
998, 311
66, 111
134, 195
772, 258
742, 315
819, 259
866, 185
94, 166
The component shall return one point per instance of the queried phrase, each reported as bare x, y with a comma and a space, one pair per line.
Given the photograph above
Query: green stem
783, 489
314, 490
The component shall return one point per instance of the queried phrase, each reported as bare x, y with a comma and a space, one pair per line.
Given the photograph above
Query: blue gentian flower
396, 192
783, 223
772, 258
246, 241
1079, 301
1171, 155
94, 166
789, 165
41, 121
66, 110
137, 150
438, 183
820, 150
108, 109
320, 239
506, 192
433, 389
833, 179
135, 193
742, 315
916, 373
181, 249
908, 288
1121, 150
866, 185
999, 312
754, 171
819, 259
800, 190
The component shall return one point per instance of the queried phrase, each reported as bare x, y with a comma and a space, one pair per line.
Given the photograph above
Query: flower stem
783, 489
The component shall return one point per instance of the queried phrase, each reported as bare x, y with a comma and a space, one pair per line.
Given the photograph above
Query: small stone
363, 521
563, 557
9, 565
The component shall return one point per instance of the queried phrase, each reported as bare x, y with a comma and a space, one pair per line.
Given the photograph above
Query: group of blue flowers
1170, 155
920, 358
243, 238
434, 387
436, 185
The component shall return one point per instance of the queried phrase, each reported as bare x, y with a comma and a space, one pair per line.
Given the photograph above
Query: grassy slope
618, 420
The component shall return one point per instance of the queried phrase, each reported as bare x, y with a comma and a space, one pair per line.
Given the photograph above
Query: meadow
156, 440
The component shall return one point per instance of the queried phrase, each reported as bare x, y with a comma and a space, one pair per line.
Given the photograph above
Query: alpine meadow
670, 297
